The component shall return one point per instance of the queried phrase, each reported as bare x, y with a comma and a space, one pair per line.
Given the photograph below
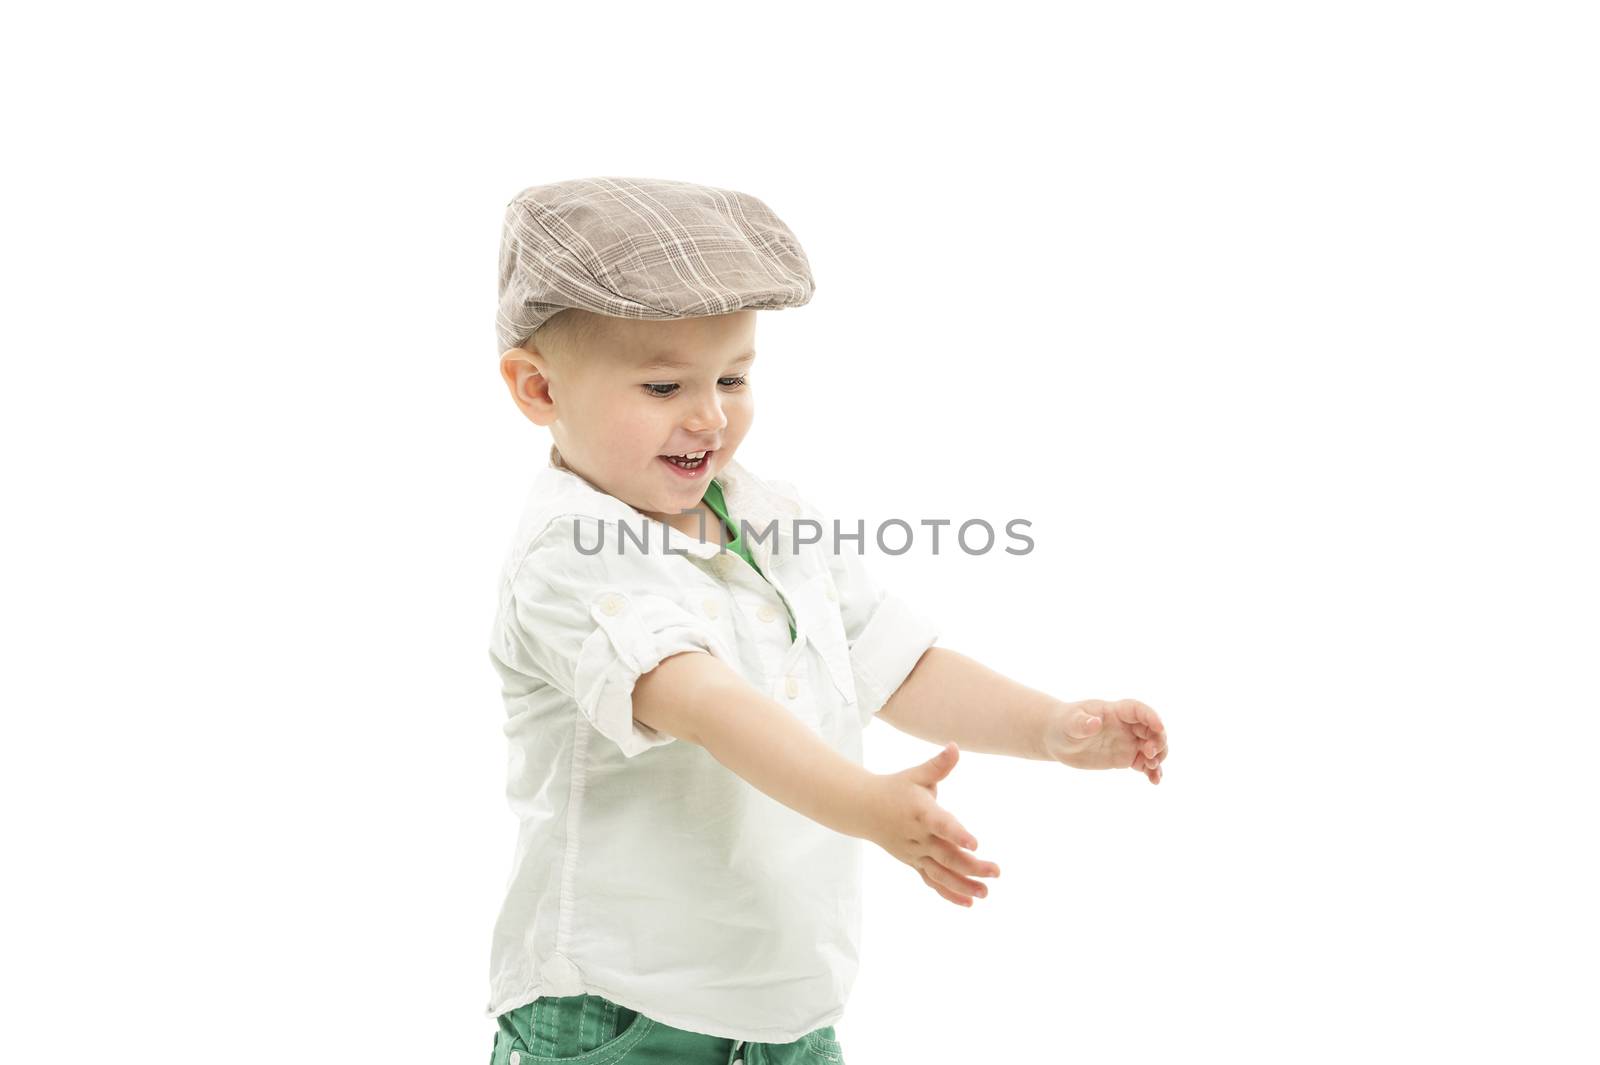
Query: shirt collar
750, 499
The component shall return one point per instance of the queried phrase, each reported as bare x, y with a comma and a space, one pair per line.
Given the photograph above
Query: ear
525, 377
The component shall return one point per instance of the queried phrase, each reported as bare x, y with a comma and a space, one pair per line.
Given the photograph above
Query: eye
666, 390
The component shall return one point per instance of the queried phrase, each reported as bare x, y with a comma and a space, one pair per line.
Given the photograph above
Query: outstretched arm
950, 697
697, 698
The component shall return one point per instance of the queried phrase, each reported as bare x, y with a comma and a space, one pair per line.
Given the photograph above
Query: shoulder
562, 519
571, 540
581, 552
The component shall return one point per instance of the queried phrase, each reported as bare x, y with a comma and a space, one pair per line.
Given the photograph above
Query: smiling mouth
692, 461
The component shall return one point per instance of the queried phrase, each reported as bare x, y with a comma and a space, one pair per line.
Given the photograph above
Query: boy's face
616, 408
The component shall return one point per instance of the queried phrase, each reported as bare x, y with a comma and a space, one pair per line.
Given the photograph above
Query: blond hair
563, 339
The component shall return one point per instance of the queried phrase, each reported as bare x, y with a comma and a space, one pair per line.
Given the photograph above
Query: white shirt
646, 871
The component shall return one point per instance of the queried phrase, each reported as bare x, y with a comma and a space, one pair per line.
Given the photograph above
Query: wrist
866, 806
1072, 730
1056, 744
1049, 721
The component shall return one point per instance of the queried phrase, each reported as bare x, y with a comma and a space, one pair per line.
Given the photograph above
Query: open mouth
690, 464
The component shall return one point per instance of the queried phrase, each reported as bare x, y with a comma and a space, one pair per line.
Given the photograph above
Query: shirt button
516, 1057
611, 604
711, 608
767, 612
792, 686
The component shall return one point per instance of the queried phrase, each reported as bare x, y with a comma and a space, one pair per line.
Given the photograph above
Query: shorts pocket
587, 1029
823, 1046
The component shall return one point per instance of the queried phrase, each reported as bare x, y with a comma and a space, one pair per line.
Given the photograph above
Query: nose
706, 416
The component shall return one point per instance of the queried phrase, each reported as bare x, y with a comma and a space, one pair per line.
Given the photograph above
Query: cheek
639, 430
740, 408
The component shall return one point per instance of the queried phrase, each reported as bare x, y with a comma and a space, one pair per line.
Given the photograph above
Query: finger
946, 892
955, 882
1134, 713
962, 862
945, 827
1151, 743
1148, 717
952, 896
1147, 732
938, 767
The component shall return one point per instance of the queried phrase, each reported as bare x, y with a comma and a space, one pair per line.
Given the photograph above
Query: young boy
687, 668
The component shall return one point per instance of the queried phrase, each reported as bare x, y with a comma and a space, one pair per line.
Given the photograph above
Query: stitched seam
535, 540
614, 1051
538, 219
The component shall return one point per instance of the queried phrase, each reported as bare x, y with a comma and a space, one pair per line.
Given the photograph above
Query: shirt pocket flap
817, 605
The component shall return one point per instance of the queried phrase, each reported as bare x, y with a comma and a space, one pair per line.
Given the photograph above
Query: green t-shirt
719, 506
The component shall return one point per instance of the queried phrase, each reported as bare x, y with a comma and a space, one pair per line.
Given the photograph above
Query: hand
1095, 734
906, 822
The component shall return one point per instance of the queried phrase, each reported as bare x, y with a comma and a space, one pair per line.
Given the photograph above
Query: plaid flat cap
642, 248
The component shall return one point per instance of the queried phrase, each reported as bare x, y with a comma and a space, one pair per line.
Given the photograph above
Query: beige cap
642, 248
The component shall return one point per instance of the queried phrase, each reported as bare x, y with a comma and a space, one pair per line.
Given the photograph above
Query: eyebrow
666, 362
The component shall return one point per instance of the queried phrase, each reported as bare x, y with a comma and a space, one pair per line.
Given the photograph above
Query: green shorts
590, 1030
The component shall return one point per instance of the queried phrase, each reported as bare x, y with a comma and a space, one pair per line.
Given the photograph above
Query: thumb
938, 767
1081, 724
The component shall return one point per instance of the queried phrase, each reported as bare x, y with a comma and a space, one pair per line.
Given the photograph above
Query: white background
1277, 321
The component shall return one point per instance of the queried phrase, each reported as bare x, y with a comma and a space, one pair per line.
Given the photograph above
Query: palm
1129, 735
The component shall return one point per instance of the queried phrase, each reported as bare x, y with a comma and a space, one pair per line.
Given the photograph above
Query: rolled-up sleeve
886, 632
592, 625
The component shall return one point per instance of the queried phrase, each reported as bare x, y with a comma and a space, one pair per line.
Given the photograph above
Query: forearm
760, 741
949, 696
